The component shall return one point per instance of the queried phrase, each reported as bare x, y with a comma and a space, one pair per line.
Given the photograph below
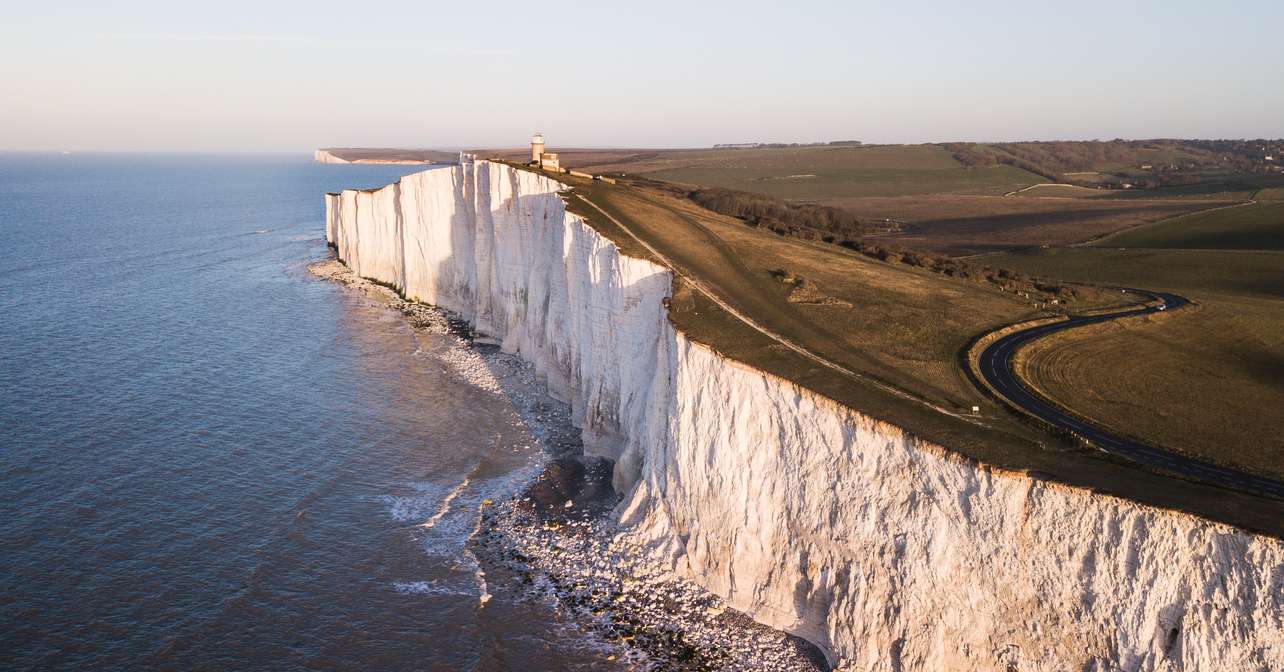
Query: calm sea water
211, 460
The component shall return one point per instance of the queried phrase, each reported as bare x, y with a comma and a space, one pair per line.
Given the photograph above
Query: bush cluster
1006, 279
802, 220
839, 227
1182, 159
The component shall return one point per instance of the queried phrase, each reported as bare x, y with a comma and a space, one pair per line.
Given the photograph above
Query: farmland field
1206, 381
899, 327
1212, 192
901, 330
937, 203
960, 225
1271, 194
902, 325
827, 172
1165, 379
1189, 272
1258, 226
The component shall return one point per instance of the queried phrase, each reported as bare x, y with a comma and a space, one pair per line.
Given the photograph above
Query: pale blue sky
263, 76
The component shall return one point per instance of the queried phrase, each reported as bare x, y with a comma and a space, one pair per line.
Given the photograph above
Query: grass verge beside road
1204, 382
782, 283
1255, 226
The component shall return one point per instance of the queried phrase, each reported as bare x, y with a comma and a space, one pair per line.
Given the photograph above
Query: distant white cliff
371, 156
324, 156
888, 552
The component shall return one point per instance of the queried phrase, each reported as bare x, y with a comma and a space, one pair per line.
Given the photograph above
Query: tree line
840, 227
1170, 162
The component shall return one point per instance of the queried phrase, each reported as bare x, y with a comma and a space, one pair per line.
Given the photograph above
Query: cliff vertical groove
886, 551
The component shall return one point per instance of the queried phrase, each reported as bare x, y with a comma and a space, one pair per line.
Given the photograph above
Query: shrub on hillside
804, 220
832, 225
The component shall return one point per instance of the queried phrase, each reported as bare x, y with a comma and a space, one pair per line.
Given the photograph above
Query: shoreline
555, 540
876, 545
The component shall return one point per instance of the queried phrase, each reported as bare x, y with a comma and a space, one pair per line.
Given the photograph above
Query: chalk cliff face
324, 156
327, 156
886, 551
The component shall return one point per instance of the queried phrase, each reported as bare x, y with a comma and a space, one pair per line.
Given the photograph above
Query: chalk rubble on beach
572, 553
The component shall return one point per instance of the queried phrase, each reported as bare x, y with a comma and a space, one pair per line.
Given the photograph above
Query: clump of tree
1053, 159
801, 220
839, 227
1005, 279
1135, 163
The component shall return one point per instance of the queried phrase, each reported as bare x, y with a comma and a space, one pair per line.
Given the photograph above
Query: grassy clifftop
900, 330
1205, 382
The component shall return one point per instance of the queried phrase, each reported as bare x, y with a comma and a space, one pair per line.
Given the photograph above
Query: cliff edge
374, 155
886, 551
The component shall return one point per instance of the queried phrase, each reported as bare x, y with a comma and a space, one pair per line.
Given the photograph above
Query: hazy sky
251, 76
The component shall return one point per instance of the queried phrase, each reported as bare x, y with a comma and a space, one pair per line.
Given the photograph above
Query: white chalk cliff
324, 156
888, 552
327, 156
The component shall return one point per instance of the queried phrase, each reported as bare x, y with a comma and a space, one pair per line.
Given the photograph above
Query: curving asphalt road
996, 367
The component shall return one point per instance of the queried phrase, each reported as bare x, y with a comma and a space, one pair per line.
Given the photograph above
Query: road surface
996, 367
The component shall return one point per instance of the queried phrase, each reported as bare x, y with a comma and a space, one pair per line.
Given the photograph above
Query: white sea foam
444, 507
432, 587
415, 507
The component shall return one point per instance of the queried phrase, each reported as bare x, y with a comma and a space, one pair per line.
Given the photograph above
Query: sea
211, 459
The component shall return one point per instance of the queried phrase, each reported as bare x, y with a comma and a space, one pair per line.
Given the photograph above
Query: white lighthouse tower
537, 148
541, 158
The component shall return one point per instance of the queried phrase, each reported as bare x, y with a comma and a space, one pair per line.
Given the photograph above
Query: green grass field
827, 172
1121, 375
898, 328
1059, 191
1271, 194
1247, 273
902, 325
1203, 381
1207, 382
1205, 192
941, 205
1210, 191
1259, 226
955, 224
1167, 379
